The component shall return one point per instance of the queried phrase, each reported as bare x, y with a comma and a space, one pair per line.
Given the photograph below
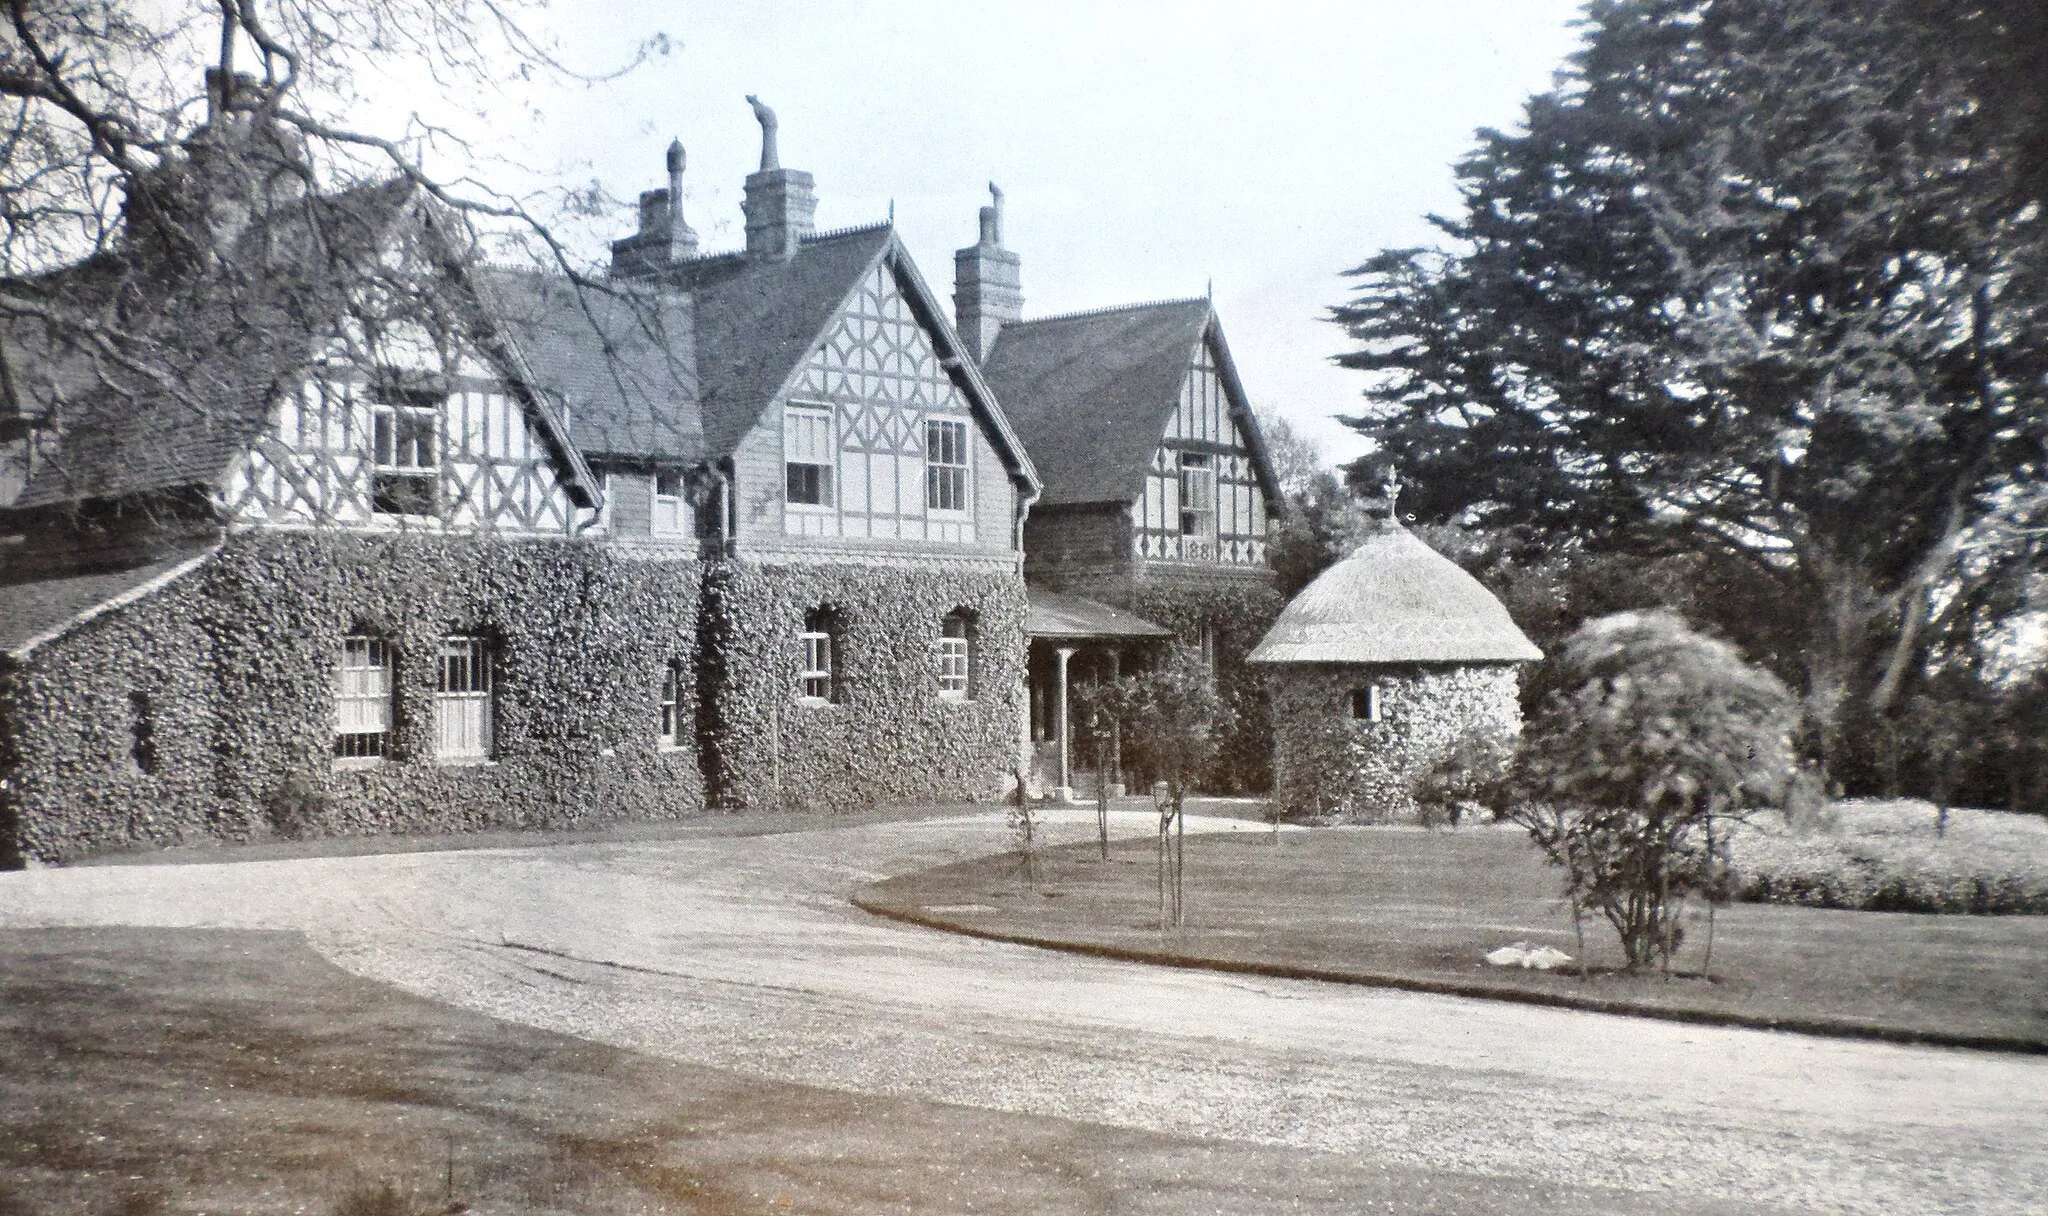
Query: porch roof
1053, 614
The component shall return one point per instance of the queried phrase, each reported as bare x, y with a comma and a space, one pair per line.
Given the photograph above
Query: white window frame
956, 658
1197, 494
948, 466
465, 690
804, 424
671, 738
668, 514
396, 455
1375, 703
362, 701
814, 682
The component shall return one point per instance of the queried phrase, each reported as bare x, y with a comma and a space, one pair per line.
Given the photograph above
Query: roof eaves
22, 649
1262, 459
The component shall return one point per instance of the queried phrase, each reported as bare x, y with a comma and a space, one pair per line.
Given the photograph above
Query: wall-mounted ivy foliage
1238, 613
238, 661
890, 736
1329, 764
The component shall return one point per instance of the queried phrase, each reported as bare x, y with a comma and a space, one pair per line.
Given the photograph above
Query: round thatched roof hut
1392, 665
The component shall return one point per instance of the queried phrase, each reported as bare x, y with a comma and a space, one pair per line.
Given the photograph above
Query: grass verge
1420, 910
161, 1071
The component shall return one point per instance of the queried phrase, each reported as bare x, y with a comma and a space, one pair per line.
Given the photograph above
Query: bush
1891, 857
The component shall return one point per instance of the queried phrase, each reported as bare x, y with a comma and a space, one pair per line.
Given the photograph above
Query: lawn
1424, 908
159, 1071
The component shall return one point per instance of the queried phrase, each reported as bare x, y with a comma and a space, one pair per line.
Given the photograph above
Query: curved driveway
742, 953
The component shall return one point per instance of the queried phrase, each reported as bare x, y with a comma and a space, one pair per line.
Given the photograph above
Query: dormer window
405, 450
808, 455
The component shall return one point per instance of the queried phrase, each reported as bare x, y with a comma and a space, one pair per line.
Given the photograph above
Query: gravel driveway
742, 953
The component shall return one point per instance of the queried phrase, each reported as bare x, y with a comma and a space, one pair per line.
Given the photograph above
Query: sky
1145, 150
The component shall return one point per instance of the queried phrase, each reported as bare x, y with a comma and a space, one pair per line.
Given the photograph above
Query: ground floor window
1365, 703
818, 678
671, 706
362, 698
142, 732
462, 699
956, 656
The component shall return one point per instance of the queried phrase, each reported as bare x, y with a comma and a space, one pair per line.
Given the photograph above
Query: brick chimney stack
988, 283
663, 238
781, 205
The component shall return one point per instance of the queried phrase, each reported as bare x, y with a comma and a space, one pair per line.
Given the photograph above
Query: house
381, 537
1381, 669
1158, 491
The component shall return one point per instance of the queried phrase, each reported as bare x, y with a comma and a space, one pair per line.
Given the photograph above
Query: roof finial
1392, 488
770, 159
1209, 292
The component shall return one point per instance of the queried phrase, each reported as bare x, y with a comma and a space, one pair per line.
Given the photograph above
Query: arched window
362, 698
463, 682
818, 678
956, 655
671, 706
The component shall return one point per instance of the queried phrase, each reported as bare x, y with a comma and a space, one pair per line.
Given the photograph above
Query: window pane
810, 484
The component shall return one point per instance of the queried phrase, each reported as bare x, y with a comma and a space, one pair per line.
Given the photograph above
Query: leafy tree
1323, 523
1171, 723
1763, 283
1650, 740
1296, 462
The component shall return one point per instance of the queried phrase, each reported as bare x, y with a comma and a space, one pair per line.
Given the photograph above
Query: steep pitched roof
619, 363
1090, 394
1395, 600
231, 345
756, 320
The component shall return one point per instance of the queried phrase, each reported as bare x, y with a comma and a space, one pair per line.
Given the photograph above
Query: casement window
946, 481
671, 512
142, 732
405, 451
1197, 495
956, 657
808, 451
462, 699
818, 677
1366, 703
362, 698
671, 706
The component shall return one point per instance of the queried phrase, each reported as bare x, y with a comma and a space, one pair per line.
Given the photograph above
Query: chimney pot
663, 237
988, 283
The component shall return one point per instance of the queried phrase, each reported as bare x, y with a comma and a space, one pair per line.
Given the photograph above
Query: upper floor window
808, 455
956, 656
671, 516
818, 679
1197, 494
362, 698
945, 465
463, 726
405, 451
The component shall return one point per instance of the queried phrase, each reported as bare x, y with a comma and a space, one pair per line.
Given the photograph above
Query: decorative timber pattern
1202, 501
885, 386
465, 459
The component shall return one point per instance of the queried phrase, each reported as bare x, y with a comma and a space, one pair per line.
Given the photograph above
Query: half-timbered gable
410, 449
1204, 498
1141, 430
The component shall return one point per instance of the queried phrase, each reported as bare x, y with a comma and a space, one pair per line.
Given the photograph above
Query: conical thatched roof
1395, 600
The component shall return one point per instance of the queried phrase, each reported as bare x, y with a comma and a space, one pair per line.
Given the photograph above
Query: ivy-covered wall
238, 660
890, 736
1327, 764
1238, 612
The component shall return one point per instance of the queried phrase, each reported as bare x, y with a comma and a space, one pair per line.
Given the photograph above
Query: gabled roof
1053, 614
231, 345
36, 608
1395, 600
617, 362
757, 320
1091, 393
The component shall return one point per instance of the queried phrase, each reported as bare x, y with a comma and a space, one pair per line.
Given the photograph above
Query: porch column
1113, 767
1065, 792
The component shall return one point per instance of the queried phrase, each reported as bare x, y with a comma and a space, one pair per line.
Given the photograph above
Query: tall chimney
988, 283
663, 238
781, 204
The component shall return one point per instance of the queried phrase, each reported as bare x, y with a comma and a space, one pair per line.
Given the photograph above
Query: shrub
1890, 857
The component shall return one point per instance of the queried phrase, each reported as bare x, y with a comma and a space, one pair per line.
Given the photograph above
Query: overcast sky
1145, 149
